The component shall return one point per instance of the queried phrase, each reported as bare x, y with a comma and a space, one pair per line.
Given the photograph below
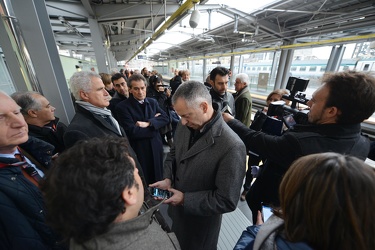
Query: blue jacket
22, 211
247, 239
268, 236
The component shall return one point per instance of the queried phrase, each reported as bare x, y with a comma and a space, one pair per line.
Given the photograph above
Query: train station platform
232, 226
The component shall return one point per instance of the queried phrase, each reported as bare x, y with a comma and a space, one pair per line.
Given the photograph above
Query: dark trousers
264, 190
253, 161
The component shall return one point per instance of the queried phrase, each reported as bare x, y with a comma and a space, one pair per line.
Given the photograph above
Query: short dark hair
218, 71
116, 77
136, 77
155, 79
83, 189
353, 93
327, 200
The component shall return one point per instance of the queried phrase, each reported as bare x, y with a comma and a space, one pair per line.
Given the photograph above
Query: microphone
226, 108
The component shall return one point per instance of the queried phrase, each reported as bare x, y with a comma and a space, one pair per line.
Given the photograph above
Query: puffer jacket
268, 237
22, 211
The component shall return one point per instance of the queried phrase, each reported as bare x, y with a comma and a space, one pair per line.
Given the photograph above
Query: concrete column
40, 43
98, 45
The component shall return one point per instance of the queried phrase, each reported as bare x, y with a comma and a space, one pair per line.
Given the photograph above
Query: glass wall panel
6, 83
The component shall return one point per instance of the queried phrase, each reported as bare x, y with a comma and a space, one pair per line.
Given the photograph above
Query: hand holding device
266, 212
160, 193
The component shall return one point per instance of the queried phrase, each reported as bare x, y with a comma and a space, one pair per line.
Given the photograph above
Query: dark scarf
195, 134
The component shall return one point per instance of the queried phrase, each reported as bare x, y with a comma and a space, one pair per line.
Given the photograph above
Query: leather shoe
243, 195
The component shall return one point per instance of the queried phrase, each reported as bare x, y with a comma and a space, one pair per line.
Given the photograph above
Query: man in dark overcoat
206, 167
142, 118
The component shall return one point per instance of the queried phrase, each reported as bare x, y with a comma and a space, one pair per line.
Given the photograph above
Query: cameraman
257, 123
162, 95
337, 109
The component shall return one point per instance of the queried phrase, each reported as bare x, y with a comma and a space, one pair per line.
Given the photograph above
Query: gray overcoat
210, 175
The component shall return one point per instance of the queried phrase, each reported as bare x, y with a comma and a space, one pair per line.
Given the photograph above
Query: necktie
27, 170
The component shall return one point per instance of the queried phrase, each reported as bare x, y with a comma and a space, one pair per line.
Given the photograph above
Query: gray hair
81, 81
27, 101
193, 92
243, 78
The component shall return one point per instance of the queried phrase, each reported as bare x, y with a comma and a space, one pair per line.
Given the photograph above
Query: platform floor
232, 226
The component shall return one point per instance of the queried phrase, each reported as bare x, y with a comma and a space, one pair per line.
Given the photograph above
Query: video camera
166, 87
290, 115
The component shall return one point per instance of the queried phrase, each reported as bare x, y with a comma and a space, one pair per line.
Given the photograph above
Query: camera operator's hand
177, 199
227, 117
254, 171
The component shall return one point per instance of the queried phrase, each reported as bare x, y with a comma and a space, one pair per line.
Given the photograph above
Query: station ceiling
128, 27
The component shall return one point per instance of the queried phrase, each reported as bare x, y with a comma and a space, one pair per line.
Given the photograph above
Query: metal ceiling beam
124, 37
184, 8
72, 38
336, 41
112, 12
78, 47
60, 8
86, 4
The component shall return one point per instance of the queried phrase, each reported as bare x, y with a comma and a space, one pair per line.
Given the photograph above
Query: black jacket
48, 135
219, 102
163, 100
116, 99
281, 151
85, 125
175, 82
22, 215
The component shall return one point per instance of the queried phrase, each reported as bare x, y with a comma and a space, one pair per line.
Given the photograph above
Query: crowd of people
87, 185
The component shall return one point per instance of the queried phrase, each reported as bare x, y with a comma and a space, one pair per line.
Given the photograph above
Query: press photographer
337, 109
278, 116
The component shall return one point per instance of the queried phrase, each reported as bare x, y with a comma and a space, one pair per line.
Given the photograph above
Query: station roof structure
160, 30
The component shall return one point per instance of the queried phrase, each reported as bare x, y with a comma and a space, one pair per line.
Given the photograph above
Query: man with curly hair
94, 195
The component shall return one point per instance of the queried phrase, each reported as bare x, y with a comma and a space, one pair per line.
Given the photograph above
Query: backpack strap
265, 238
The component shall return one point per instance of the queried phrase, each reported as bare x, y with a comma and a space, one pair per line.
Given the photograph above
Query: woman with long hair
327, 202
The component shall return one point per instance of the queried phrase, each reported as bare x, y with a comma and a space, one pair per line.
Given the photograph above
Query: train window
345, 67
302, 68
323, 69
312, 68
259, 68
365, 68
264, 68
293, 68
